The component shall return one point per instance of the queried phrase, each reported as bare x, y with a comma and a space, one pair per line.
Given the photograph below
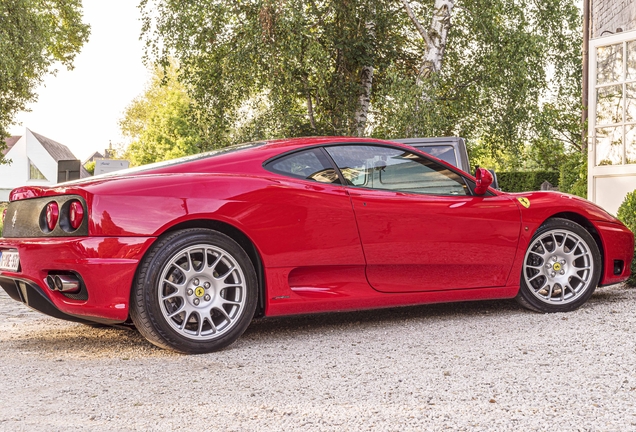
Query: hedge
573, 177
522, 181
627, 214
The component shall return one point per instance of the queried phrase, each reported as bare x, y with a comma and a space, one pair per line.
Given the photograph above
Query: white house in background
34, 161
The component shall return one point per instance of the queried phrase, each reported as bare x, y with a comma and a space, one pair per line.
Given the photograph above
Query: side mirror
484, 180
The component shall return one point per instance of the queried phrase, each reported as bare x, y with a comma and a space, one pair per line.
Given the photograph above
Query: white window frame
604, 171
30, 163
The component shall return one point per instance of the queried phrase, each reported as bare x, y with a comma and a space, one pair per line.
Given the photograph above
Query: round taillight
52, 215
76, 214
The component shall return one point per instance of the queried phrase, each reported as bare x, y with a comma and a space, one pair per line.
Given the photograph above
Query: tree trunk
435, 37
310, 112
366, 83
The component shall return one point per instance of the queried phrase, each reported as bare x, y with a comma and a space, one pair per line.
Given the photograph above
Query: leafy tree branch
35, 37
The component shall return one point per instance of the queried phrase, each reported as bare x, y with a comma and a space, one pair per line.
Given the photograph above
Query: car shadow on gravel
613, 294
399, 315
385, 317
69, 340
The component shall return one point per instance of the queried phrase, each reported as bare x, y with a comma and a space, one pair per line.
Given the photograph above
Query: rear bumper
107, 266
33, 296
618, 245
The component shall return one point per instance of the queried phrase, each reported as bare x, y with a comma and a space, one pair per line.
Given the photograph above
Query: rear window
172, 162
307, 165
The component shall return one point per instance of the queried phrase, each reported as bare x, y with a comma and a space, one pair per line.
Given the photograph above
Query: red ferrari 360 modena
190, 250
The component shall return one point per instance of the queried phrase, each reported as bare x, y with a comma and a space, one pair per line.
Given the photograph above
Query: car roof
244, 158
283, 145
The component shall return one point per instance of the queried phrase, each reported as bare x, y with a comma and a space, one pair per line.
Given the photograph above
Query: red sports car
191, 250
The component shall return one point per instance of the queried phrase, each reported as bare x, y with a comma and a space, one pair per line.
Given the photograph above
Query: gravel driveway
466, 366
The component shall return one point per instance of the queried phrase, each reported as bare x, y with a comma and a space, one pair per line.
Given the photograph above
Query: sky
81, 108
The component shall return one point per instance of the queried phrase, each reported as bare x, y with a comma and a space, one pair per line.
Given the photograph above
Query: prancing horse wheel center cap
199, 292
556, 267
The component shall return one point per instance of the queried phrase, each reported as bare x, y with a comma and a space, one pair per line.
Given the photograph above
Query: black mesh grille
82, 295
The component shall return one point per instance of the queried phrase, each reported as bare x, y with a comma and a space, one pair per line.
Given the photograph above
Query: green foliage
495, 88
159, 122
90, 167
34, 34
263, 69
573, 174
522, 181
510, 81
3, 206
627, 214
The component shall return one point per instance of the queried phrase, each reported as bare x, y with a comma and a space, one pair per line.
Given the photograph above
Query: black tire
175, 269
561, 268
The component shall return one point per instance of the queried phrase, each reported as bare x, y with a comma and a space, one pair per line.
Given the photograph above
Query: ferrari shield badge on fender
524, 202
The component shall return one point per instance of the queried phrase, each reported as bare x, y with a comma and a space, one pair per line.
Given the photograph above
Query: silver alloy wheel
202, 292
558, 267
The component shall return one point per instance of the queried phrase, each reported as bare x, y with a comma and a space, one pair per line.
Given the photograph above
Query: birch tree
509, 82
435, 37
366, 78
265, 68
259, 69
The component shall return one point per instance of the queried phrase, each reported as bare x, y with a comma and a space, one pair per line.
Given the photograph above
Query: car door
420, 226
305, 217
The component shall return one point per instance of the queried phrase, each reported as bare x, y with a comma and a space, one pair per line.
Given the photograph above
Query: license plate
9, 260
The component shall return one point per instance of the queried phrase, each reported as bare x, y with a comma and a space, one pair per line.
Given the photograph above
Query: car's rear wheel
561, 268
195, 292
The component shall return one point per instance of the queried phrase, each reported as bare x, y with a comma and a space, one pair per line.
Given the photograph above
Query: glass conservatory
612, 120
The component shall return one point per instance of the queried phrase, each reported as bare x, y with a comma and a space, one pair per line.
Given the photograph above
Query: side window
34, 172
307, 165
394, 169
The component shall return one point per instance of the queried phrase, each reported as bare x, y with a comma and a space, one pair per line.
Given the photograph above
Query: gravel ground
465, 366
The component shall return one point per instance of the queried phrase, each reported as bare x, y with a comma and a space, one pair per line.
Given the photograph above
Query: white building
611, 35
34, 161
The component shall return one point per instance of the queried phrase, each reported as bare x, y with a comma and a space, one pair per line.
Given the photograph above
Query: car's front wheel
561, 268
195, 292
